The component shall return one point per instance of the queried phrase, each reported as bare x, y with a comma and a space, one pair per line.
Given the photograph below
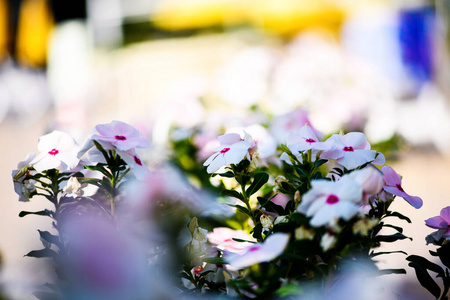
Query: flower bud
73, 187
370, 179
303, 233
297, 198
278, 181
363, 226
281, 220
328, 241
266, 222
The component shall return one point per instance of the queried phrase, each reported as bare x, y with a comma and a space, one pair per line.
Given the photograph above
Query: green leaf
46, 252
259, 180
243, 210
422, 261
392, 271
242, 241
425, 279
443, 253
257, 230
300, 171
391, 238
270, 206
320, 162
215, 260
398, 215
290, 289
48, 237
398, 228
373, 254
45, 212
231, 193
228, 174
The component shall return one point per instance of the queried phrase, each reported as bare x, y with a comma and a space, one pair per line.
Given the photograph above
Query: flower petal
436, 222
390, 176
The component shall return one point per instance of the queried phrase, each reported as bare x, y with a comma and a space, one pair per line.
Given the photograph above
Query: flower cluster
262, 226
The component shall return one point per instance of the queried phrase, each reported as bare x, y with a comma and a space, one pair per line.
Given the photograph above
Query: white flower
328, 201
266, 221
272, 247
305, 139
58, 150
327, 241
232, 150
351, 150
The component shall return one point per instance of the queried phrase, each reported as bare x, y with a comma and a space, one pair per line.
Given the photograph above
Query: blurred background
168, 66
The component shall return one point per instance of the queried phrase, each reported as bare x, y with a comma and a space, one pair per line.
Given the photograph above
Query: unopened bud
328, 241
303, 233
297, 198
364, 225
266, 222
281, 220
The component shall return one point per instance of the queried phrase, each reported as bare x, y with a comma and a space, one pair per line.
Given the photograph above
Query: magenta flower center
310, 140
348, 149
224, 150
400, 187
137, 160
332, 199
197, 270
53, 152
120, 137
253, 249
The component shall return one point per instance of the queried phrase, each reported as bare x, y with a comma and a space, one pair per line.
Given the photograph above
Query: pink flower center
348, 149
120, 137
332, 199
137, 160
400, 187
224, 150
253, 249
310, 140
53, 152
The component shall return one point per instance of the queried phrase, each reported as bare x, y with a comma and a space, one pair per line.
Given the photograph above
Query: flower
442, 223
73, 187
305, 139
232, 150
139, 169
393, 185
120, 135
351, 150
58, 150
272, 247
327, 201
115, 135
222, 238
24, 187
370, 179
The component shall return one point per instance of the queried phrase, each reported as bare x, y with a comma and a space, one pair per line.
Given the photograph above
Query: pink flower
441, 222
115, 135
232, 150
222, 238
393, 185
328, 201
58, 150
351, 150
272, 247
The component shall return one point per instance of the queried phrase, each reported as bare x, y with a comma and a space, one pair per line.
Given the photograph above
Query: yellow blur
284, 17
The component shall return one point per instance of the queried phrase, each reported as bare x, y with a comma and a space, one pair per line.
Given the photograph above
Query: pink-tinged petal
229, 139
390, 176
436, 222
272, 247
331, 154
415, 201
237, 152
46, 163
379, 160
210, 159
445, 214
281, 200
215, 165
357, 158
394, 191
349, 189
357, 140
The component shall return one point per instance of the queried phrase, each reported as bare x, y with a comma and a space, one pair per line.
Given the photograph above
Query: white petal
357, 158
217, 162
